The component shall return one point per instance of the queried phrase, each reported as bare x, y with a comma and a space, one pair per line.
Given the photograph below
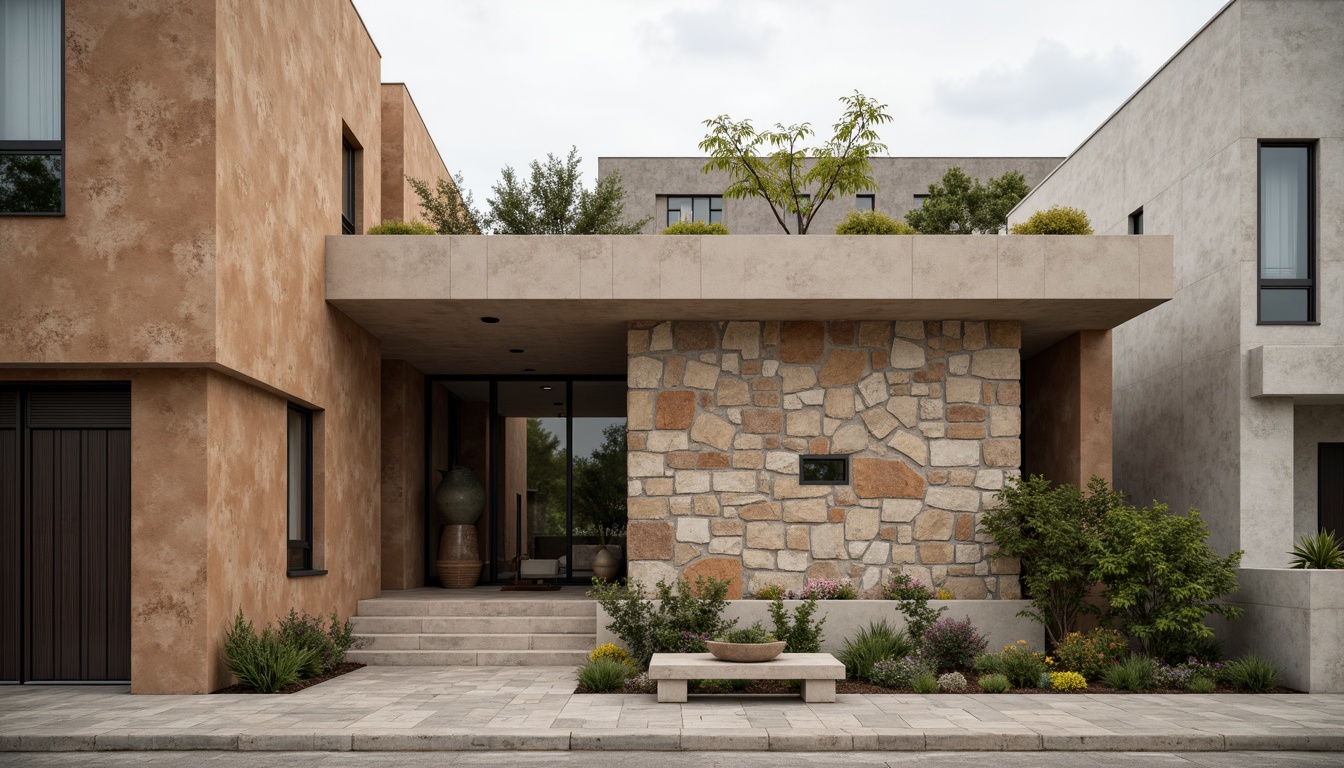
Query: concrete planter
996, 619
1294, 618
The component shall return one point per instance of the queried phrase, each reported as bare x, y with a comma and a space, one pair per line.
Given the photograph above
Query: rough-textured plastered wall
1066, 410
127, 275
403, 481
407, 150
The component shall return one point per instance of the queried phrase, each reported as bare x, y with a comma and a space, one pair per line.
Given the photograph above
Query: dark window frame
920, 197
843, 458
668, 209
1312, 202
872, 202
57, 148
306, 544
1136, 222
349, 168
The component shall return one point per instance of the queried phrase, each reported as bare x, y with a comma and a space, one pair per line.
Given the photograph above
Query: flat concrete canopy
565, 300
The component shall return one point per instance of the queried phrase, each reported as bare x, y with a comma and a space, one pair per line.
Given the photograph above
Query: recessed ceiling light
489, 319
547, 388
516, 351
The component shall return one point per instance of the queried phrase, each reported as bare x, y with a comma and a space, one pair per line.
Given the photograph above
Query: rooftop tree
796, 181
962, 205
553, 201
448, 210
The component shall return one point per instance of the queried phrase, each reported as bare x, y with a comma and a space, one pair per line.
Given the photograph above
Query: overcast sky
503, 81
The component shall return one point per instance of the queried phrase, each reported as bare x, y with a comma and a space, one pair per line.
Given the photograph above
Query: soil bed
341, 669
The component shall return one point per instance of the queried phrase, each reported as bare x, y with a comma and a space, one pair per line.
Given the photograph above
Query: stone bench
817, 671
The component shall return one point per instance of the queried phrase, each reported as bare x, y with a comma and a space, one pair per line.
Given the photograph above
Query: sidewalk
532, 708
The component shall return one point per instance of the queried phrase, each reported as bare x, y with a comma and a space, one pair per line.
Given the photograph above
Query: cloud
1052, 81
720, 31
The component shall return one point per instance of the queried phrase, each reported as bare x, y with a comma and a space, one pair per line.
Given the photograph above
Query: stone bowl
745, 652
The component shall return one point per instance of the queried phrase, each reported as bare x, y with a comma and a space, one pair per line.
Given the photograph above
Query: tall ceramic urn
460, 499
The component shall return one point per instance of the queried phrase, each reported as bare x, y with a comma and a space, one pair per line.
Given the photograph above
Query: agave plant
1319, 551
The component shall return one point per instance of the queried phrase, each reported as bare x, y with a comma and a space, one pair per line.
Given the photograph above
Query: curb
669, 740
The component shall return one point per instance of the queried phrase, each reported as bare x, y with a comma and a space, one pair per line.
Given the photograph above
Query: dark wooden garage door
65, 514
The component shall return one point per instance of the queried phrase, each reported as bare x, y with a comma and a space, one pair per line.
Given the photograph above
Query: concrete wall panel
1312, 425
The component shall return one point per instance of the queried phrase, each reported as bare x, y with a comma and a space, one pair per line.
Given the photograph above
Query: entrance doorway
550, 455
1330, 488
65, 533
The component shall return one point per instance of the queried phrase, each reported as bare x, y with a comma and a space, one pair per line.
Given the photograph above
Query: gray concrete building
1230, 398
661, 187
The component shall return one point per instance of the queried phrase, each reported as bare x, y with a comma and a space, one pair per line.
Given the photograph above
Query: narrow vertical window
32, 126
299, 477
1136, 222
863, 202
347, 188
1287, 233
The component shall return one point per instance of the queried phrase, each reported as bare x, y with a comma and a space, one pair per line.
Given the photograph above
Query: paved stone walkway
533, 708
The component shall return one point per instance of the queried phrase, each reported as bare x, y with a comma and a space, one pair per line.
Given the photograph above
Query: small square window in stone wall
719, 414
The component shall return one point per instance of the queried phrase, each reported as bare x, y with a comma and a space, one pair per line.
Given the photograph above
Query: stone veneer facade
719, 412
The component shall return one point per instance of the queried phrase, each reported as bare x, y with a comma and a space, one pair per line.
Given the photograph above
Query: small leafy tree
553, 201
681, 620
1162, 578
800, 634
1051, 530
448, 211
794, 180
962, 205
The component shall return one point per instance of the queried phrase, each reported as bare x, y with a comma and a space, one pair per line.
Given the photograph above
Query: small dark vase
459, 497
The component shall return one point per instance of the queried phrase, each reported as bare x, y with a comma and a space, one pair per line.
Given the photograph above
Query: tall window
1136, 222
299, 474
706, 208
347, 188
1287, 233
863, 202
32, 133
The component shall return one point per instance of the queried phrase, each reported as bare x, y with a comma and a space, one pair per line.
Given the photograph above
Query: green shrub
878, 642
801, 634
1022, 666
1202, 685
1057, 220
402, 228
952, 682
1067, 681
925, 683
1319, 551
912, 599
769, 592
1162, 578
899, 673
1089, 654
994, 684
680, 622
328, 638
264, 662
603, 675
952, 645
1050, 530
872, 223
721, 686
755, 634
1135, 673
1252, 674
695, 228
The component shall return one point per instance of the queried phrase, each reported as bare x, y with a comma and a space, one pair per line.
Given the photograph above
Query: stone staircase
475, 632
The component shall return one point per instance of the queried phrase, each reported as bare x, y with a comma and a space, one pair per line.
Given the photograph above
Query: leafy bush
913, 598
613, 652
1089, 654
681, 621
1161, 577
878, 642
994, 684
872, 223
952, 682
755, 634
401, 228
1057, 220
963, 205
801, 635
695, 228
721, 686
769, 592
1202, 685
1067, 681
1252, 674
1050, 529
925, 683
603, 675
264, 662
1022, 666
952, 645
328, 638
1319, 551
1135, 673
826, 589
899, 673
1180, 675
945, 594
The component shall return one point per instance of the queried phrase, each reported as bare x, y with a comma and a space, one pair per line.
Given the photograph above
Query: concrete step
485, 625
384, 606
420, 642
409, 658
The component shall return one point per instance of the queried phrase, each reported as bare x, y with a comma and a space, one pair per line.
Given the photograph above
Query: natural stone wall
718, 414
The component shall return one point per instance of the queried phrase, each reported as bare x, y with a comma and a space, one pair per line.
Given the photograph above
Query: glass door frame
493, 504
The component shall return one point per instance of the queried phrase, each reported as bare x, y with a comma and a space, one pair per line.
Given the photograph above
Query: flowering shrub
952, 682
899, 673
1022, 666
826, 589
1067, 681
913, 598
1180, 675
946, 594
950, 644
694, 642
769, 592
611, 651
1089, 654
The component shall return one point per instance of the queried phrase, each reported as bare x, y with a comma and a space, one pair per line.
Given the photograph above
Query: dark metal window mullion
569, 479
